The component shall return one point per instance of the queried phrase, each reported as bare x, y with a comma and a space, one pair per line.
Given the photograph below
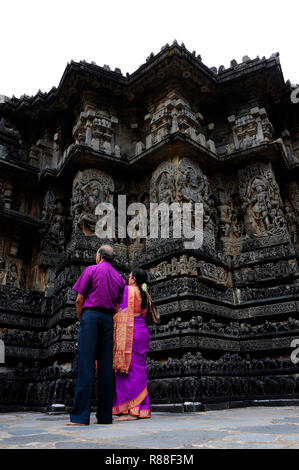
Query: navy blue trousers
95, 343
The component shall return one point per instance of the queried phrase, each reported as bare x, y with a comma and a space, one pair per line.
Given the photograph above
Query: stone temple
173, 131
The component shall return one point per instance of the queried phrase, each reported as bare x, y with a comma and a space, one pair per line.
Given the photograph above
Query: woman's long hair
141, 277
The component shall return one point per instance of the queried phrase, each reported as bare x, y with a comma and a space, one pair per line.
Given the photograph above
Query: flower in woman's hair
144, 286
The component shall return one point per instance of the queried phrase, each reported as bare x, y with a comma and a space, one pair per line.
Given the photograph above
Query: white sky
39, 37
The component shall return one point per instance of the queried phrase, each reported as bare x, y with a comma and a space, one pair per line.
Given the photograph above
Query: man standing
100, 288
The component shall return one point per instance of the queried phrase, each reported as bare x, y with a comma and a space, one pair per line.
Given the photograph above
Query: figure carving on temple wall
90, 187
2, 182
182, 182
53, 213
191, 184
12, 275
260, 198
2, 270
225, 214
165, 188
291, 221
260, 204
162, 186
55, 238
93, 194
291, 209
23, 278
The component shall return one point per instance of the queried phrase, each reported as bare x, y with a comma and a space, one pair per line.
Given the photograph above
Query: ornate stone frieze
192, 287
264, 254
266, 272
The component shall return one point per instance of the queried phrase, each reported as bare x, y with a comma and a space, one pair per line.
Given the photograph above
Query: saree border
122, 359
130, 404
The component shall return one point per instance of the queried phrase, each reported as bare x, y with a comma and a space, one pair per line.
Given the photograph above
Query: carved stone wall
229, 308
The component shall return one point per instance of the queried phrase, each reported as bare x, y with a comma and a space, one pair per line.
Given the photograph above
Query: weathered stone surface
229, 308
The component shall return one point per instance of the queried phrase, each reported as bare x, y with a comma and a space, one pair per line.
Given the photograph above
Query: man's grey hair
106, 252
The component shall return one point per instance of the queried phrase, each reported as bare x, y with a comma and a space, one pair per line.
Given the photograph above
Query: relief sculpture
90, 188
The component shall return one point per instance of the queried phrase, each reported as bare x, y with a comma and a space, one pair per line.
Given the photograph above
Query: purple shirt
101, 286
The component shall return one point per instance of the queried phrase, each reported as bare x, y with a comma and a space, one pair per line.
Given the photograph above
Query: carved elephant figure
151, 387
217, 365
204, 386
254, 386
262, 386
31, 395
227, 388
160, 389
17, 392
211, 386
191, 387
218, 386
165, 389
51, 392
272, 385
70, 390
288, 384
44, 392
205, 366
3, 389
57, 396
237, 386
177, 388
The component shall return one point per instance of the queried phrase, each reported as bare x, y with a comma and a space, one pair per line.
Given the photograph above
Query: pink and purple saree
131, 343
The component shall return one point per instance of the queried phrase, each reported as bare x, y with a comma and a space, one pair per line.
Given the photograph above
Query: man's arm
79, 303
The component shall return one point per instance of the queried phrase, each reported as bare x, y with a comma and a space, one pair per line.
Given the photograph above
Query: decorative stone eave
254, 66
20, 220
15, 166
184, 146
173, 61
82, 156
273, 151
177, 143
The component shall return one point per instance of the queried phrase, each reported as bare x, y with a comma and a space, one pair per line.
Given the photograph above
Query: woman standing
131, 343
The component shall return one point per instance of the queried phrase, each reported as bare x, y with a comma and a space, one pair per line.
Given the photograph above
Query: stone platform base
188, 407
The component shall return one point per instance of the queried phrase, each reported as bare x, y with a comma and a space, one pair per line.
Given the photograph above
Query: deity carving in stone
90, 188
53, 213
225, 217
260, 198
12, 275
